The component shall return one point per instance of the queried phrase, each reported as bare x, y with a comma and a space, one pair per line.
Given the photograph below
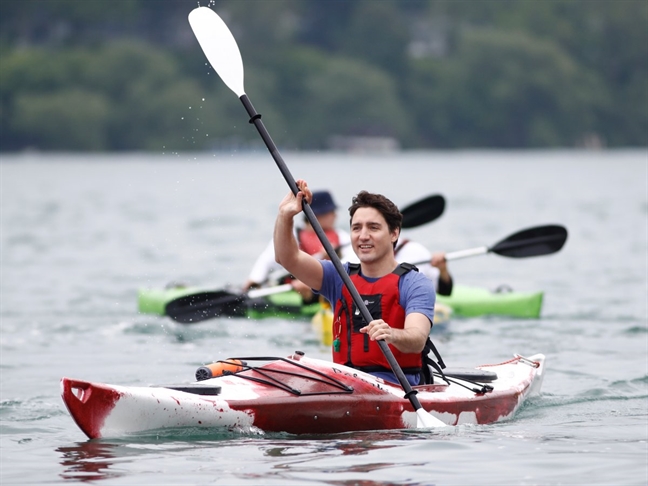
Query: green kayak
475, 301
194, 304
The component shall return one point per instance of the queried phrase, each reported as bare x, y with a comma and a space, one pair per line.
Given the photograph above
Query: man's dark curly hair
384, 206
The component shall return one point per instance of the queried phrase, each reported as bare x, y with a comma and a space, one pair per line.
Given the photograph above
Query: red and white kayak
300, 395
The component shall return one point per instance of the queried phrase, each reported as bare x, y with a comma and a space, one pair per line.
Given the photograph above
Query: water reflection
89, 461
95, 460
352, 455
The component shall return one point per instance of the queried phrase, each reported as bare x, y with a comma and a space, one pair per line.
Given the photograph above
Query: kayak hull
297, 395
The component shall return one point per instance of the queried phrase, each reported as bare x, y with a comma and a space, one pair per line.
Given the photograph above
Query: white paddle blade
219, 45
426, 421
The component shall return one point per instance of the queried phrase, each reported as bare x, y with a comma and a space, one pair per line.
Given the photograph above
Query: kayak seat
504, 289
196, 389
470, 374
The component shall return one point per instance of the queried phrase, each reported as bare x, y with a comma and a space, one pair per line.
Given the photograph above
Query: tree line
129, 75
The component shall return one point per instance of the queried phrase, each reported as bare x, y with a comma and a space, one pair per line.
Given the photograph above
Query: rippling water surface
80, 235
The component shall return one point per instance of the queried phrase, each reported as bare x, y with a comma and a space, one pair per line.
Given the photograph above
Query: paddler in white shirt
325, 210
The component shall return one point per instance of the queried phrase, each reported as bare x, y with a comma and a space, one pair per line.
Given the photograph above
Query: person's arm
444, 286
417, 298
287, 253
410, 339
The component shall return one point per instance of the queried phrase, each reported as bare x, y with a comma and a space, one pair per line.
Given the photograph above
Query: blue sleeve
417, 294
331, 282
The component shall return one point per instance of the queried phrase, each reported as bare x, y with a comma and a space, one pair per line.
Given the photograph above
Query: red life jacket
310, 243
355, 349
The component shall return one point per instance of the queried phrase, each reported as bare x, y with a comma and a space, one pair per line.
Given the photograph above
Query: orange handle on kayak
220, 368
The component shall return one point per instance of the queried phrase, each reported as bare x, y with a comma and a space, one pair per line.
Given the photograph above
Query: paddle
536, 241
193, 308
218, 44
423, 211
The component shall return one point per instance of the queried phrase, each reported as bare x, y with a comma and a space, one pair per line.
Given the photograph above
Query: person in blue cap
325, 210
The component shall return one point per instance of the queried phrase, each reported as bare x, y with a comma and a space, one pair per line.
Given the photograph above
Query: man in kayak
400, 299
324, 208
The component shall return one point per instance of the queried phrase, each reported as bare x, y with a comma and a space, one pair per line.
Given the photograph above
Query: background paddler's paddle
530, 242
218, 44
193, 308
536, 241
423, 211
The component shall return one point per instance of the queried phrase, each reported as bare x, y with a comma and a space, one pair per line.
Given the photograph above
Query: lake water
80, 235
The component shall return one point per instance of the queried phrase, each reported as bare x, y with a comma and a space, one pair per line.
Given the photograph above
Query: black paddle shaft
255, 118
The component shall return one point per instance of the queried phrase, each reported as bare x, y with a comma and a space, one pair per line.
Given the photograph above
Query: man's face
370, 235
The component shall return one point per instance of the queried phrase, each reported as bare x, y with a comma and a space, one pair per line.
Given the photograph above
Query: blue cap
322, 203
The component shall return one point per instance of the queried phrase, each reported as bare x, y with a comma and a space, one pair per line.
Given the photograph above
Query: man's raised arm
287, 253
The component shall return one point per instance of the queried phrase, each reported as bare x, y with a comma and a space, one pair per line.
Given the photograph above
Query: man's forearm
410, 340
413, 336
285, 246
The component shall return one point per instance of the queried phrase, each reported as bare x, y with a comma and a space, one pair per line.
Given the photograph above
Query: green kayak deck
476, 301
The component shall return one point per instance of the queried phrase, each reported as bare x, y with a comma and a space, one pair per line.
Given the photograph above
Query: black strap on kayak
426, 375
273, 377
479, 388
439, 365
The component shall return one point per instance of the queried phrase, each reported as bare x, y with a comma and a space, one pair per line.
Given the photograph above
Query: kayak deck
297, 395
475, 301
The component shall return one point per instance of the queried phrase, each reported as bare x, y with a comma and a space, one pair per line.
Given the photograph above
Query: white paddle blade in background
219, 45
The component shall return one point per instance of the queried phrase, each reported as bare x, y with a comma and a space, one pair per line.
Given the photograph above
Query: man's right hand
291, 205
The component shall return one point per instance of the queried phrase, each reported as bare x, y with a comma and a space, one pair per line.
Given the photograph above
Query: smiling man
400, 300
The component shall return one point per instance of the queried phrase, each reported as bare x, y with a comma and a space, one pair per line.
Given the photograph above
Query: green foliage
62, 119
128, 74
121, 96
349, 97
377, 34
504, 90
